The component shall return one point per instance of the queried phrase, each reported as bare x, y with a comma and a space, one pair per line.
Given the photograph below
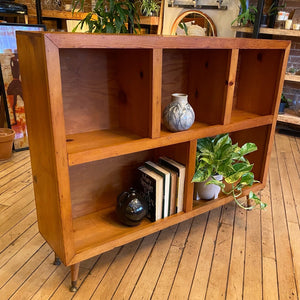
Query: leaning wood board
93, 106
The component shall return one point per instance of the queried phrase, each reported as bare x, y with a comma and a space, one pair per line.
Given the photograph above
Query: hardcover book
166, 185
151, 188
180, 171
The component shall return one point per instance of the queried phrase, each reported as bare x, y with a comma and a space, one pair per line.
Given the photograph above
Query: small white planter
203, 191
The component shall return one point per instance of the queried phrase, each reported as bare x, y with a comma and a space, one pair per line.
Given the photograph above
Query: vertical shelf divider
156, 93
229, 93
190, 170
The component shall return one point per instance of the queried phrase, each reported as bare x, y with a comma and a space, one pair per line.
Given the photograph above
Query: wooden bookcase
93, 105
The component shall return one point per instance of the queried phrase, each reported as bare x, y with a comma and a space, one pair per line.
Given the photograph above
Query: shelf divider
233, 64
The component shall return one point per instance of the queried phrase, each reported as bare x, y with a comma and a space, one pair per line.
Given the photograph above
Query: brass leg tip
73, 287
57, 261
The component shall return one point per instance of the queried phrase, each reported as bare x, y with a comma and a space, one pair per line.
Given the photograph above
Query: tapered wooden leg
248, 202
74, 277
57, 261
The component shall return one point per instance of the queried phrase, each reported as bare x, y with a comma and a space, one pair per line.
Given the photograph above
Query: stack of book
162, 186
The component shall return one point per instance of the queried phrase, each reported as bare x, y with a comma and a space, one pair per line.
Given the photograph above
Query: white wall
221, 18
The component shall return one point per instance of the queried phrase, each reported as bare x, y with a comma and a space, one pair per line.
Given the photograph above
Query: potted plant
247, 14
284, 103
7, 136
109, 16
218, 156
150, 7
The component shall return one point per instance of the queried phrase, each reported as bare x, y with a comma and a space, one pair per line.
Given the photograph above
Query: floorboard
227, 253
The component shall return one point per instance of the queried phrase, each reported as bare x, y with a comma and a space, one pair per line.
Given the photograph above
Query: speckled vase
178, 115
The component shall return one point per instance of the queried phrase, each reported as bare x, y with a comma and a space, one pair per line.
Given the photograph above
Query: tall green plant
247, 14
108, 16
219, 156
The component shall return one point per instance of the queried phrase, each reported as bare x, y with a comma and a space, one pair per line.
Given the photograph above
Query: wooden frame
188, 12
9, 63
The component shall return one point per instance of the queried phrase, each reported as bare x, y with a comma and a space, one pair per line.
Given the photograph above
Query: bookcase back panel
208, 84
115, 89
178, 152
203, 75
257, 80
96, 185
259, 136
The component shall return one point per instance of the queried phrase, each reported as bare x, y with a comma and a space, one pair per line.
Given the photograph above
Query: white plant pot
203, 191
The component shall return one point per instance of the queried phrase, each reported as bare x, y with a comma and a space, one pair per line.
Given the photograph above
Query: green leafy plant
273, 9
108, 16
285, 100
150, 7
217, 155
247, 14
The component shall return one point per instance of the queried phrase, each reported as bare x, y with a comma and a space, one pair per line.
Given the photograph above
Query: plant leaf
202, 174
216, 182
248, 148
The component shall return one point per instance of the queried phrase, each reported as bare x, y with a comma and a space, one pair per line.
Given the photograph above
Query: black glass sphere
131, 208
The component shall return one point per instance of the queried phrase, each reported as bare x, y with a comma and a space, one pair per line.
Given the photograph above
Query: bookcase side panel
60, 147
33, 67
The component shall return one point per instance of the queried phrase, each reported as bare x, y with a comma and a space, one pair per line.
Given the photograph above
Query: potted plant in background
7, 136
149, 7
109, 16
246, 15
284, 103
218, 156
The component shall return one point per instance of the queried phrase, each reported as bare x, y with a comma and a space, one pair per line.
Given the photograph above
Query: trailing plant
247, 14
150, 7
109, 16
217, 155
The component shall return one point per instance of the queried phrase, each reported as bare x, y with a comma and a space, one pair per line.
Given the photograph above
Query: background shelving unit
99, 118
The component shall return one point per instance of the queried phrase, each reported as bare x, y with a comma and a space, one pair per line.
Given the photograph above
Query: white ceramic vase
203, 191
178, 115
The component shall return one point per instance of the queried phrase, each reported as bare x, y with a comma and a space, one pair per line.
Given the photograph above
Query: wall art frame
11, 81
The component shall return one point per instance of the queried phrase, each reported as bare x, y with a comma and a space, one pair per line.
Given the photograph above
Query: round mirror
194, 23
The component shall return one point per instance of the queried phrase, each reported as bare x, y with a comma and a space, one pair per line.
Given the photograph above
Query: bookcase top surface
129, 41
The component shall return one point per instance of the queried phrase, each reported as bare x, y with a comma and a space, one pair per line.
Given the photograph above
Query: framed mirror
194, 23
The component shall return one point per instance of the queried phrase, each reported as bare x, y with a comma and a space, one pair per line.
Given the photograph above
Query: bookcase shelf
94, 104
95, 145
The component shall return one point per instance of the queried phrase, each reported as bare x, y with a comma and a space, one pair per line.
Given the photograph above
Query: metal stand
260, 7
38, 11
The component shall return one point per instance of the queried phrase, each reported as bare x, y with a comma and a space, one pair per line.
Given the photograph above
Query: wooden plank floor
224, 254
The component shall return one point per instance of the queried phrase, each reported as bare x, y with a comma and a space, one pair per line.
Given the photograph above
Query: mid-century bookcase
93, 105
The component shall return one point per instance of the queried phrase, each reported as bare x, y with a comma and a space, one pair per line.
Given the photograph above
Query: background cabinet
94, 103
